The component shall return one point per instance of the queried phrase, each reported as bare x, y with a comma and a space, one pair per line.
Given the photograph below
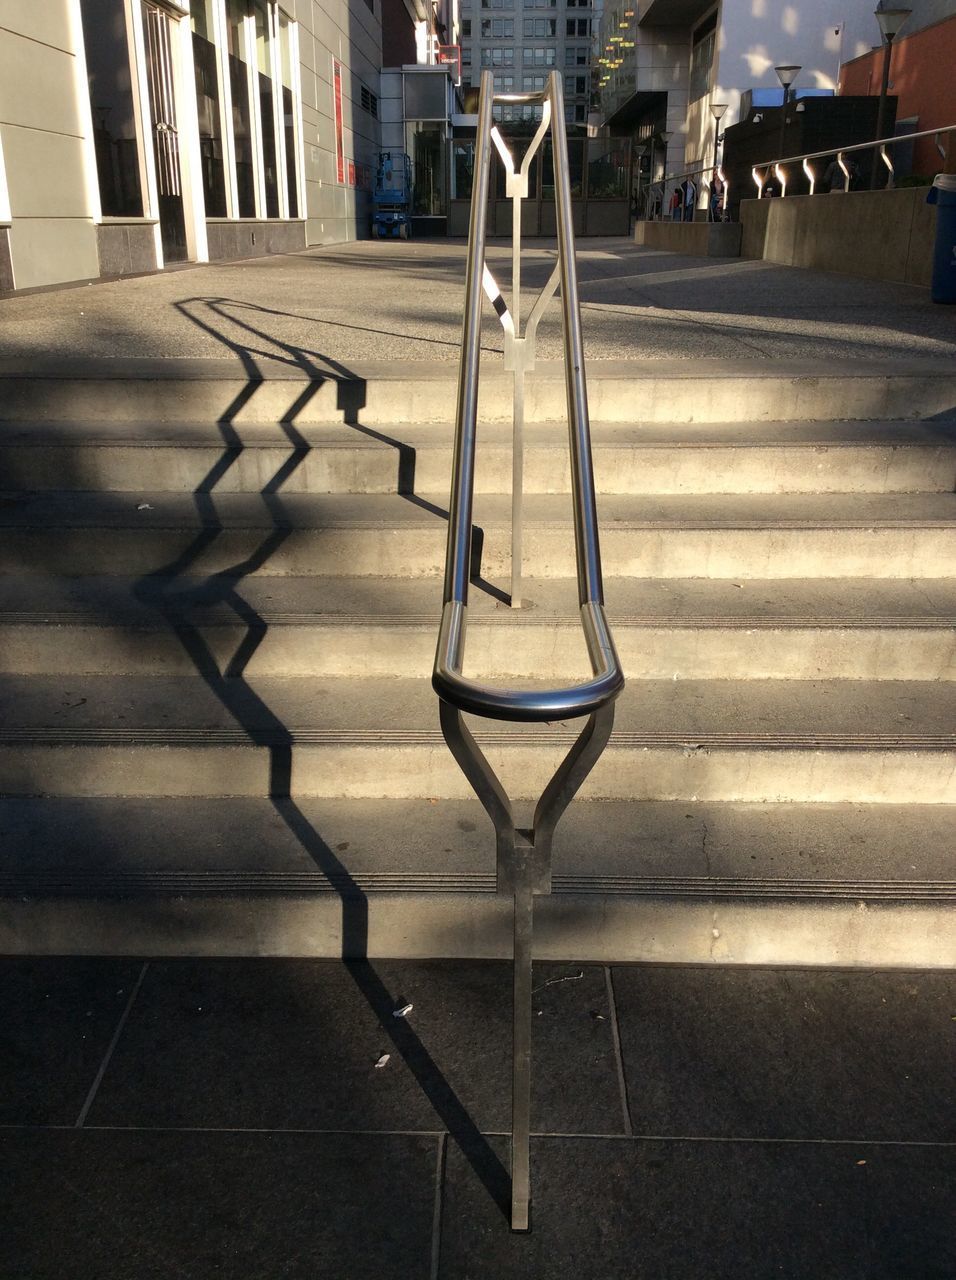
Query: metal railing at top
523, 856
761, 172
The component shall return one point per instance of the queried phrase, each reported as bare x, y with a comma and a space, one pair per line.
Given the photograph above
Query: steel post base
524, 869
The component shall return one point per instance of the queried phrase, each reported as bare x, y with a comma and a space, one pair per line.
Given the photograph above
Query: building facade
663, 64
522, 41
922, 77
139, 133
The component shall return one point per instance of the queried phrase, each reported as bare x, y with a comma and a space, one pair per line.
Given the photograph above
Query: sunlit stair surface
218, 611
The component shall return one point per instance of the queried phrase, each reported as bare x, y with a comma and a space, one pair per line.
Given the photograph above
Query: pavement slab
376, 301
294, 1044
193, 1206
56, 1024
789, 1054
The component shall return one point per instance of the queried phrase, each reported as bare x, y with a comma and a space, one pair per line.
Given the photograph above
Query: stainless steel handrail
523, 855
448, 681
840, 152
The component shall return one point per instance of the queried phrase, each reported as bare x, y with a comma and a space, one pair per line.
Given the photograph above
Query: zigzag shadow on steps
251, 341
163, 590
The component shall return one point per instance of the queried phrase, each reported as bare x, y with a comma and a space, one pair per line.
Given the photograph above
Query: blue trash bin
943, 195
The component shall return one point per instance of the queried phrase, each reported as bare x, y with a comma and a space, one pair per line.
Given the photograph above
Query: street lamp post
665, 137
890, 21
786, 76
717, 110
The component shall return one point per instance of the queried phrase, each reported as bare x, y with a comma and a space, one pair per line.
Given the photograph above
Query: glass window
537, 57
497, 57
236, 13
575, 167
288, 115
532, 84
466, 27
463, 170
427, 148
111, 104
267, 119
607, 168
538, 27
209, 105
576, 55
578, 26
703, 46
497, 28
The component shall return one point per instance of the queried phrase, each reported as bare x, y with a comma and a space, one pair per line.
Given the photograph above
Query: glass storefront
288, 115
209, 107
107, 45
236, 14
267, 118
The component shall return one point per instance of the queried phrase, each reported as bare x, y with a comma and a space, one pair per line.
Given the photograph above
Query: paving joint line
98, 1079
438, 1211
488, 1133
618, 1054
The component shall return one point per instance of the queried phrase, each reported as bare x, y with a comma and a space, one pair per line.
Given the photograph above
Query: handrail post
523, 856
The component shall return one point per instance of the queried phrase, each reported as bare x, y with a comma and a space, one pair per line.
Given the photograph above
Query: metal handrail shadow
158, 590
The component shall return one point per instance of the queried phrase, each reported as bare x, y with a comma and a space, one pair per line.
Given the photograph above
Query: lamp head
717, 109
891, 20
665, 137
787, 75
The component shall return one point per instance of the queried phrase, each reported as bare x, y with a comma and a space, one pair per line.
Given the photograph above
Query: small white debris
403, 1012
715, 933
144, 506
383, 1061
574, 977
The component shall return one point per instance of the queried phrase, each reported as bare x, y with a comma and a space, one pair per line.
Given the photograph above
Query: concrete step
693, 883
692, 628
717, 536
773, 457
827, 740
262, 390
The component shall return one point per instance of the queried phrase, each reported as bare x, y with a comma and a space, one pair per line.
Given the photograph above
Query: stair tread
687, 714
682, 602
60, 509
117, 845
148, 433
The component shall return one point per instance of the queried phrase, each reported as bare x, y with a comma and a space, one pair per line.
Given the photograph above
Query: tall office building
521, 41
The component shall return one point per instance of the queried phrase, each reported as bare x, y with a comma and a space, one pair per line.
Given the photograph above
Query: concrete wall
701, 239
884, 235
757, 35
51, 237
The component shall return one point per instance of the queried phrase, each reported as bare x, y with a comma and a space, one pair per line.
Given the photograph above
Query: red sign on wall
449, 55
339, 128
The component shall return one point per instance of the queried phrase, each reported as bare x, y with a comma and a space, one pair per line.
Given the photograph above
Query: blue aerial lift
392, 197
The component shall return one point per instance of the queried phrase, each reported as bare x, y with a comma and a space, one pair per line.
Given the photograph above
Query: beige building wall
49, 195
52, 238
349, 32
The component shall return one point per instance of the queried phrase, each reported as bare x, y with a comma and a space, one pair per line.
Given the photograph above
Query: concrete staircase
219, 598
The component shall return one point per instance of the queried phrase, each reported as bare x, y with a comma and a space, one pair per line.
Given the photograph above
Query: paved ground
226, 1118
393, 301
